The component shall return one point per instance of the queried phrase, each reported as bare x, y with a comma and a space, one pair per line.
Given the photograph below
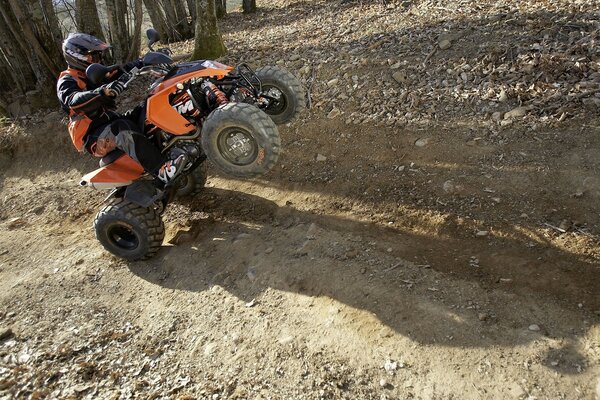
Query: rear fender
121, 172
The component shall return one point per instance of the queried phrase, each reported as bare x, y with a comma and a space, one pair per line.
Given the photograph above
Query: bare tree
52, 20
181, 23
118, 34
221, 8
192, 10
87, 18
136, 38
158, 19
30, 55
208, 42
249, 6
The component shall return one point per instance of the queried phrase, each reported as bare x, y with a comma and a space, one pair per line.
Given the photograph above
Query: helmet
81, 50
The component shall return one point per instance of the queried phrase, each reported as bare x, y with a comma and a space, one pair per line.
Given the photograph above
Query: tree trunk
171, 18
44, 30
87, 18
29, 35
221, 8
208, 42
182, 25
15, 57
116, 11
249, 6
192, 9
158, 19
50, 15
138, 16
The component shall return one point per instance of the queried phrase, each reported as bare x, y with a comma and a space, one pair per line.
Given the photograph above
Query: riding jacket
88, 107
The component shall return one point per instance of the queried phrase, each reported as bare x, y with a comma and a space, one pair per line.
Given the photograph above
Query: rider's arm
78, 100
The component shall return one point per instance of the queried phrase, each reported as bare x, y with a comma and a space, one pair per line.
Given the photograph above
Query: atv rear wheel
193, 183
287, 91
241, 140
128, 230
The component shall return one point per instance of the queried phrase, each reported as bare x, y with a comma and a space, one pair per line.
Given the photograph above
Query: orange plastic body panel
123, 170
162, 114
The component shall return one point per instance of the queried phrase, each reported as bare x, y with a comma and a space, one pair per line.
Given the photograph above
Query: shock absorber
213, 94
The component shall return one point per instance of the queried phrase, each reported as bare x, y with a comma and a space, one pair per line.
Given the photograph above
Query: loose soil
443, 255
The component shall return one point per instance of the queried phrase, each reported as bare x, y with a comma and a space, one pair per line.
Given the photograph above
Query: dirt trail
387, 271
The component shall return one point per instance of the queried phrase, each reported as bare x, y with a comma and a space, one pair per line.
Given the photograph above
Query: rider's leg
123, 135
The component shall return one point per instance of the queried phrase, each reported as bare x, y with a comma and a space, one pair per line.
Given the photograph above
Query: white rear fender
103, 185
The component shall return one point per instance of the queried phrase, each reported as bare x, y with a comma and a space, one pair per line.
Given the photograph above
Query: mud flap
143, 193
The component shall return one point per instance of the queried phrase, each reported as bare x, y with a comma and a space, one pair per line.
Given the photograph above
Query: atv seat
111, 157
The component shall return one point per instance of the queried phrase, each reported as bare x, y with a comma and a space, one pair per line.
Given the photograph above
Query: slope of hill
431, 230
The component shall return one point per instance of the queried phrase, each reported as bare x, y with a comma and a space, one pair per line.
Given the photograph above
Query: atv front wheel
286, 93
241, 140
191, 184
128, 230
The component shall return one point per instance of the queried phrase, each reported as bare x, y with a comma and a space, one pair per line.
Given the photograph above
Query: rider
94, 125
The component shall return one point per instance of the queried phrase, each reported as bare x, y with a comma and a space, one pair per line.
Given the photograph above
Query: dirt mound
409, 243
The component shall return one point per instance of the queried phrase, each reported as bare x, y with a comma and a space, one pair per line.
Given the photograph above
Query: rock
506, 122
19, 109
422, 142
565, 225
312, 230
333, 82
334, 113
449, 187
285, 340
294, 57
6, 333
399, 76
517, 112
515, 390
483, 316
321, 158
15, 223
482, 233
210, 348
353, 253
383, 383
390, 366
269, 250
444, 44
497, 116
251, 273
502, 98
38, 100
534, 328
80, 388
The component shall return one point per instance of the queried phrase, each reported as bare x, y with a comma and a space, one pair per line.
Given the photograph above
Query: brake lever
132, 74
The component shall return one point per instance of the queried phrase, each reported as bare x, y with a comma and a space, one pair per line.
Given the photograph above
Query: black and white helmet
81, 50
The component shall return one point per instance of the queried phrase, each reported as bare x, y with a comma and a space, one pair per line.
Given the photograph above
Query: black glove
114, 88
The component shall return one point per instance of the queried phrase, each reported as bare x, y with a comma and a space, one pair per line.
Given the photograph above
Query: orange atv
202, 109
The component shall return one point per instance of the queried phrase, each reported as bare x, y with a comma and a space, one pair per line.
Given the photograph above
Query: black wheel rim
237, 146
123, 237
278, 101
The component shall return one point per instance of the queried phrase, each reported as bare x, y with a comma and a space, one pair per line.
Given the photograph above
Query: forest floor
419, 238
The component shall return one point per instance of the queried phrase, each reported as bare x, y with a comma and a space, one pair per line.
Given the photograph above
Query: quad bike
202, 109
